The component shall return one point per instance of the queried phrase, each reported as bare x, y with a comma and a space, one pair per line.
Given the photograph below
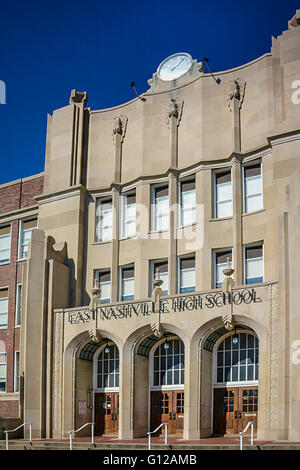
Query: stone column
126, 394
174, 117
237, 221
172, 264
115, 243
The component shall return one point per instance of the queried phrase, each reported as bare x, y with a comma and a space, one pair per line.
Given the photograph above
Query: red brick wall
9, 408
13, 197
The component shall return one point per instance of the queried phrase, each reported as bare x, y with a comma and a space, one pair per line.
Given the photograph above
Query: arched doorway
106, 389
166, 380
235, 381
98, 372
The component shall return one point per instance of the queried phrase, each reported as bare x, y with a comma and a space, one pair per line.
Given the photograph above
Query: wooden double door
106, 413
167, 407
234, 408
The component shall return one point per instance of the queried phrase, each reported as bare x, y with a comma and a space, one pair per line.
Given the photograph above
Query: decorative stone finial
78, 97
119, 126
95, 290
157, 280
175, 110
236, 90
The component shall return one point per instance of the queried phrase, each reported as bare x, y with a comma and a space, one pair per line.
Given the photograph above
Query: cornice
284, 137
63, 194
18, 214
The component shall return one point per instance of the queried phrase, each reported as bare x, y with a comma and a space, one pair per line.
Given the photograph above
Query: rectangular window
18, 304
222, 194
252, 187
2, 372
104, 285
220, 262
5, 238
104, 220
187, 191
128, 215
187, 274
160, 208
127, 283
17, 372
26, 227
162, 266
3, 308
254, 263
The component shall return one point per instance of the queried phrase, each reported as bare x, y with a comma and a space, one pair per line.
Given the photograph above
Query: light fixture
166, 344
235, 338
106, 349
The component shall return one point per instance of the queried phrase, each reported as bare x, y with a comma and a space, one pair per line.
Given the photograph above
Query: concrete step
64, 445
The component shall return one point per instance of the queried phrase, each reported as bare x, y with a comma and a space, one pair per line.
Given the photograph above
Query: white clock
174, 66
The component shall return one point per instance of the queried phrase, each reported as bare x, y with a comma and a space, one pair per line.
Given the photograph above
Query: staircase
20, 444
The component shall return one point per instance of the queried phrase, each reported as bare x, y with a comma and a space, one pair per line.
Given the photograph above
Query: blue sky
48, 48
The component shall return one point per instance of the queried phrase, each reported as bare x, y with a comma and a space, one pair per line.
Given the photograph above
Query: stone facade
193, 127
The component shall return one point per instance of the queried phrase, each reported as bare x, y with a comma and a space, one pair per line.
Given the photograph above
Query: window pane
161, 202
4, 248
104, 220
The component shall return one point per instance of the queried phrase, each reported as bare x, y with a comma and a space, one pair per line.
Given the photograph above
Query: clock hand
177, 65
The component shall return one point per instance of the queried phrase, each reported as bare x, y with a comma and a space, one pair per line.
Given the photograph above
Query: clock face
174, 66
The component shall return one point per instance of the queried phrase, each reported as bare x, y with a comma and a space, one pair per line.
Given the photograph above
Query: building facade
161, 282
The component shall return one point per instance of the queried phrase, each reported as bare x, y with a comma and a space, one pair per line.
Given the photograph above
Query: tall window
128, 215
104, 220
18, 304
160, 208
220, 263
222, 194
254, 263
187, 193
162, 265
3, 308
108, 367
2, 372
26, 227
187, 274
237, 361
17, 372
104, 286
168, 363
5, 244
127, 283
252, 186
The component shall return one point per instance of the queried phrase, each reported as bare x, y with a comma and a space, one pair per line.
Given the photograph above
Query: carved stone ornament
156, 296
228, 322
227, 286
174, 110
78, 97
94, 337
95, 299
119, 126
56, 251
228, 282
236, 90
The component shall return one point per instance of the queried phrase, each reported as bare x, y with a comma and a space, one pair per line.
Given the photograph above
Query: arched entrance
235, 380
166, 384
105, 390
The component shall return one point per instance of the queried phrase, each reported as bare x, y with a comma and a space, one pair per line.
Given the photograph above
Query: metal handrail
242, 432
76, 430
152, 432
12, 430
